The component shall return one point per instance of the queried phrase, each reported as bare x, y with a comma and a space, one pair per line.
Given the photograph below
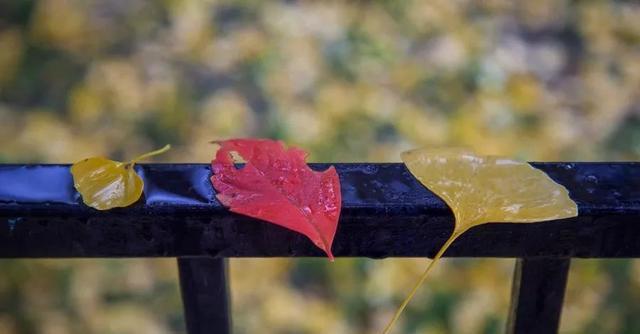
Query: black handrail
386, 213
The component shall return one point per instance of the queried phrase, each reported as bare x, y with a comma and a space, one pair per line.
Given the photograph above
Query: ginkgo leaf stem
432, 264
150, 154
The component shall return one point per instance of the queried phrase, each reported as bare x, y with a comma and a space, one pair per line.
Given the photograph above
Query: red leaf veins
276, 185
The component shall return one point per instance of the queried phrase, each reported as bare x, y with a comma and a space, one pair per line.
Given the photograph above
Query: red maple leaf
277, 186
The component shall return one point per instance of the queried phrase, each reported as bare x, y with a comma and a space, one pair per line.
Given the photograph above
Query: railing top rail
386, 213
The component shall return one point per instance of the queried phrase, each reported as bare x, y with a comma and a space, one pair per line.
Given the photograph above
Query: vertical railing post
205, 295
537, 295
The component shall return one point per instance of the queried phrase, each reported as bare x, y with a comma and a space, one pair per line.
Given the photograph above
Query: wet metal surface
386, 212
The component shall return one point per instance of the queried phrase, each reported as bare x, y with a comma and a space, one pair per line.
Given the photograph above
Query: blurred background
348, 81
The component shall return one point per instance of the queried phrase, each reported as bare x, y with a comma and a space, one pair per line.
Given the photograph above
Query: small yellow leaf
484, 189
106, 184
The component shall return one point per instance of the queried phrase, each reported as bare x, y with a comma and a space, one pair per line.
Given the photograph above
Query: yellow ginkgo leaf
485, 189
481, 189
106, 184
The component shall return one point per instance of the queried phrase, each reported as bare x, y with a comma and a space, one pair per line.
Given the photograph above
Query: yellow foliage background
349, 81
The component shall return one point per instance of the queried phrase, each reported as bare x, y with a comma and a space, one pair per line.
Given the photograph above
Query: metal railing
386, 212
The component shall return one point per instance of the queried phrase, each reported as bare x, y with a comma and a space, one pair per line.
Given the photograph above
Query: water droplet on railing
12, 222
370, 169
